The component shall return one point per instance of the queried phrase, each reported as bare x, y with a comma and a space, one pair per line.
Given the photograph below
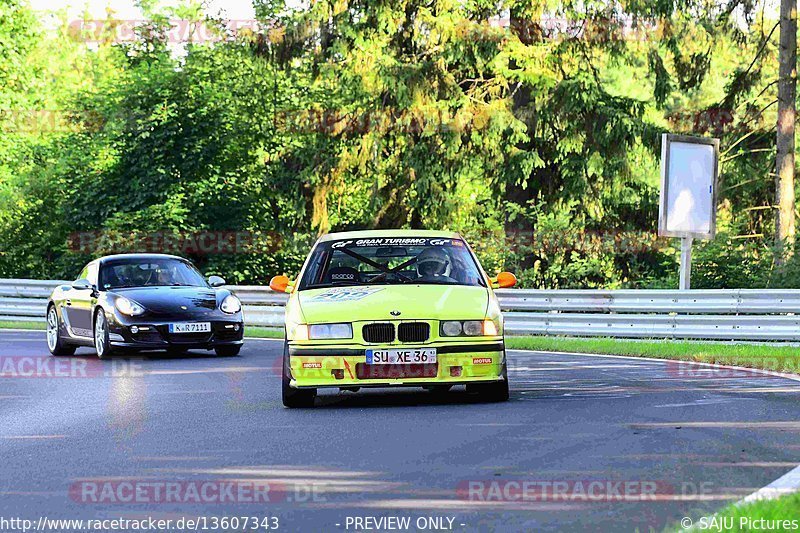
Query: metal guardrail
737, 314
732, 301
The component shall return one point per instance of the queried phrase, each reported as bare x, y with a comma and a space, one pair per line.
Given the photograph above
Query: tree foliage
531, 127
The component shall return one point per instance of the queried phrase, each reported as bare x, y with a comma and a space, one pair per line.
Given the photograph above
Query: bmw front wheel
292, 397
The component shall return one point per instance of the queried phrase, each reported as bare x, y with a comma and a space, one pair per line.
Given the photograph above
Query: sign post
688, 204
686, 263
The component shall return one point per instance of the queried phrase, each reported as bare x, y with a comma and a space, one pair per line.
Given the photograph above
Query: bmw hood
172, 300
393, 302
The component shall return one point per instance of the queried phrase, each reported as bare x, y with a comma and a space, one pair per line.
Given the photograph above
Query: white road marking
788, 483
793, 377
32, 437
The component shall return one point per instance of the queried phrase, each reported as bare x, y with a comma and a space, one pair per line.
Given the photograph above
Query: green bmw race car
390, 308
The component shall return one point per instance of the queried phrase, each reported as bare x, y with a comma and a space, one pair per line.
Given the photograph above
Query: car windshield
390, 261
149, 273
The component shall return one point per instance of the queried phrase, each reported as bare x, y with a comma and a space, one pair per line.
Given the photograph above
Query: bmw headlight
128, 307
451, 328
473, 328
469, 328
231, 304
330, 331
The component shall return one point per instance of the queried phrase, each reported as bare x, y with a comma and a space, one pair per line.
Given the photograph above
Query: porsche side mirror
82, 284
281, 284
504, 280
216, 281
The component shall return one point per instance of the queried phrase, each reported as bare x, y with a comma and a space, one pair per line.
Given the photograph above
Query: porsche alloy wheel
54, 342
101, 342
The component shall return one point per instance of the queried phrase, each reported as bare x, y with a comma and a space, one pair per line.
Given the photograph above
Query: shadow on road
394, 398
155, 355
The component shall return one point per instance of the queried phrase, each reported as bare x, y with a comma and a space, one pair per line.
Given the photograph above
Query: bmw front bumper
317, 366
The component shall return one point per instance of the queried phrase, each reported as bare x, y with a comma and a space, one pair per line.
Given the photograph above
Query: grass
21, 324
259, 332
779, 358
747, 517
761, 356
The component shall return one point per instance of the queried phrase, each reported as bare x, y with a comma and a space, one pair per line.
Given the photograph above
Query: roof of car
377, 233
139, 257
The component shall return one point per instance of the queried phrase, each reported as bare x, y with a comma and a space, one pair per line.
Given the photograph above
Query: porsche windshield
149, 273
389, 261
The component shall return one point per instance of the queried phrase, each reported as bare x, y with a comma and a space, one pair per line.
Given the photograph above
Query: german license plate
190, 327
401, 356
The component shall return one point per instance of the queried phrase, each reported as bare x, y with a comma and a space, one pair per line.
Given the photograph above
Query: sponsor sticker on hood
345, 294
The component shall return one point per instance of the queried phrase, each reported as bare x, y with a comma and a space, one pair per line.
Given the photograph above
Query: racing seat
342, 274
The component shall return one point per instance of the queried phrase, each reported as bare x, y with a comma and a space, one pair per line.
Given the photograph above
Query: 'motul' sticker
345, 294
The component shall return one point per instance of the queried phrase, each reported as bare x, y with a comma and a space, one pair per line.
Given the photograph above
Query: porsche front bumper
155, 335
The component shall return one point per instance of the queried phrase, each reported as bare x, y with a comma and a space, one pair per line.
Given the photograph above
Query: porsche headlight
231, 304
330, 331
128, 307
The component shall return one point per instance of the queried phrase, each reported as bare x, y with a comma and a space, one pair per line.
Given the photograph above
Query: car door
79, 303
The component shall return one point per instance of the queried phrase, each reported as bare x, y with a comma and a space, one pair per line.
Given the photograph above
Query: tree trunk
787, 87
520, 232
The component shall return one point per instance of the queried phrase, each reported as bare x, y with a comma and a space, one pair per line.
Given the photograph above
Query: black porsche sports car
144, 302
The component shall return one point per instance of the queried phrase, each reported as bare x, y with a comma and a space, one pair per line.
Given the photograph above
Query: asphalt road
685, 441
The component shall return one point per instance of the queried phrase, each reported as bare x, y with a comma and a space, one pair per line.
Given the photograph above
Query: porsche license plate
401, 356
190, 327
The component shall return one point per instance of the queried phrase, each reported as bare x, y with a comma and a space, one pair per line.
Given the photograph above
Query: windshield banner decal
393, 241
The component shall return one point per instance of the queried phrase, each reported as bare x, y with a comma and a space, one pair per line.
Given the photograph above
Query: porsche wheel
102, 345
292, 397
228, 351
54, 342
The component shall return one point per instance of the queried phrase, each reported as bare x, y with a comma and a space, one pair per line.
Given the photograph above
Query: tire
496, 392
294, 398
228, 351
102, 344
54, 342
490, 392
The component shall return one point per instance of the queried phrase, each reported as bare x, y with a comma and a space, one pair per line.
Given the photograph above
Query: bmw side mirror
504, 280
81, 284
216, 281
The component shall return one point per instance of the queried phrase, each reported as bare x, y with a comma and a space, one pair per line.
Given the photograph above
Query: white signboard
688, 186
